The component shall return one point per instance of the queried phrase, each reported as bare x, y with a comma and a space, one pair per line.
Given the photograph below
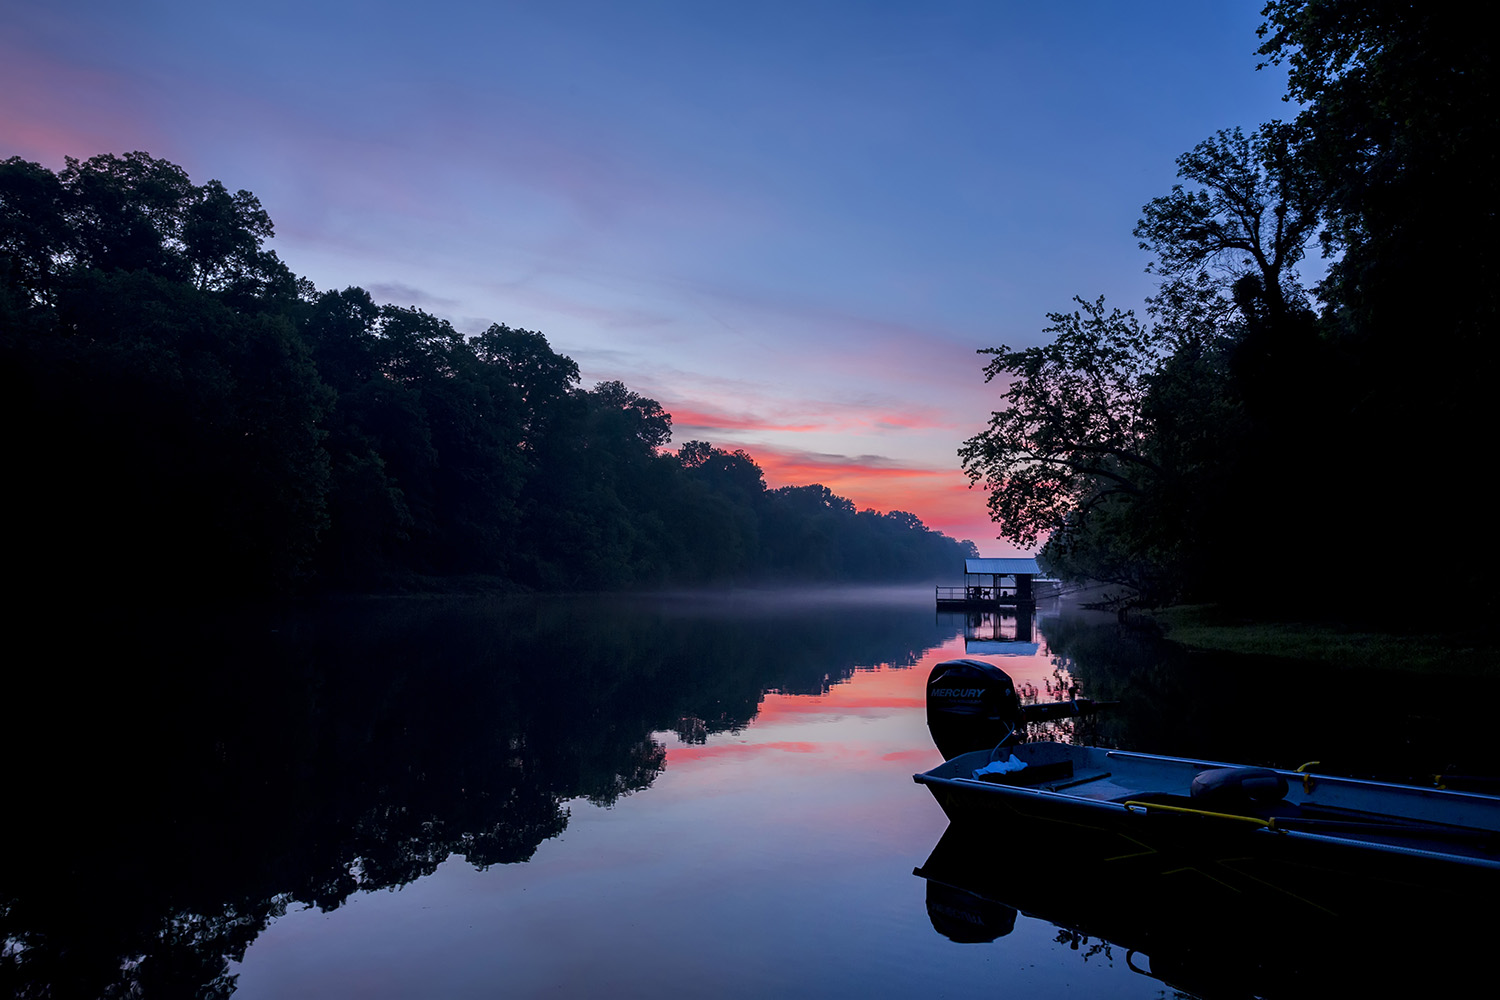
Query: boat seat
1235, 789
1242, 791
1033, 774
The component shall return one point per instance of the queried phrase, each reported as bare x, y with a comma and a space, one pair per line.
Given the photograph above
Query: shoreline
1352, 647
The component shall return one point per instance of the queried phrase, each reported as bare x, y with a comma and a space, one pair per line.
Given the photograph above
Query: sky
791, 223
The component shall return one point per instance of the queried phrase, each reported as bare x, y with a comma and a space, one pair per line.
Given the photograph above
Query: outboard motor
973, 705
970, 705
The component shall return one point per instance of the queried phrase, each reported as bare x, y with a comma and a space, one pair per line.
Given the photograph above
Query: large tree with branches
1115, 432
1072, 432
1237, 228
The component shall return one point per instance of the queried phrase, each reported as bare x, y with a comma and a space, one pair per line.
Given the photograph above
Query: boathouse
990, 583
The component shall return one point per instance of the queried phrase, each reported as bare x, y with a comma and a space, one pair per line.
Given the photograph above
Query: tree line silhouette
190, 417
1254, 441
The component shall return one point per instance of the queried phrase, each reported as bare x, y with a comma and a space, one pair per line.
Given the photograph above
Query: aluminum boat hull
1324, 831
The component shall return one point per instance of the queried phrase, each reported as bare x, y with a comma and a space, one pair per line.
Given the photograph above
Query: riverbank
1208, 627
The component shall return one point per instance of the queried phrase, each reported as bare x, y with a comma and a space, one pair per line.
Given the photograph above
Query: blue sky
791, 223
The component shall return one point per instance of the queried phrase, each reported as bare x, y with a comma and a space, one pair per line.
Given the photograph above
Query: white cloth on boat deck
1001, 766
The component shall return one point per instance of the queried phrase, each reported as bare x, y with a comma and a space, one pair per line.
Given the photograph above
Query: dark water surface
693, 795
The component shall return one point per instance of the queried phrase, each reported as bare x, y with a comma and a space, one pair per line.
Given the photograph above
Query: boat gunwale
962, 787
1298, 776
1418, 791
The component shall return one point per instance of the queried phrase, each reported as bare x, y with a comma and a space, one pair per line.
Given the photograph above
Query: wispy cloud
793, 467
800, 415
685, 419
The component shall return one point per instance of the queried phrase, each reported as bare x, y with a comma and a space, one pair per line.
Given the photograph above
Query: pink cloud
909, 420
786, 467
941, 497
827, 418
712, 420
871, 480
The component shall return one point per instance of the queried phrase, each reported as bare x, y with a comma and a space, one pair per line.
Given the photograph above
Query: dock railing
976, 595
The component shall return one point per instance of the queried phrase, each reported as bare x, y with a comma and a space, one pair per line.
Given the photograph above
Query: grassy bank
1209, 627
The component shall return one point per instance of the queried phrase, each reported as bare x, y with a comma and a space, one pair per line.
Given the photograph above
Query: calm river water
692, 795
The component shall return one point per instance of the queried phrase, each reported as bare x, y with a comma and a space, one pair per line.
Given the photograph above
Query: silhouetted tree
1175, 456
1073, 432
1398, 132
173, 433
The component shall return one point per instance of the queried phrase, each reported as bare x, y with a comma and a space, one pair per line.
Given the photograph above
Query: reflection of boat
1275, 826
1194, 924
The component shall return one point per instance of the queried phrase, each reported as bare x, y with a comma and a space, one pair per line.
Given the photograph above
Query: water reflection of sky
775, 860
878, 715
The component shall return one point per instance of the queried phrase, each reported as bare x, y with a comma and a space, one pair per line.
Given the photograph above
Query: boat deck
1394, 817
1081, 772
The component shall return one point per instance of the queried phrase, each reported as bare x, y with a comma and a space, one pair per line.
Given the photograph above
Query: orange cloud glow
706, 419
940, 497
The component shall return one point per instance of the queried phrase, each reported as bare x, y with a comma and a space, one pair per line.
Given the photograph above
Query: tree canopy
198, 421
1249, 415
1073, 432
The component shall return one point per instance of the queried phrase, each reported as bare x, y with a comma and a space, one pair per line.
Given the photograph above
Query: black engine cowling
971, 705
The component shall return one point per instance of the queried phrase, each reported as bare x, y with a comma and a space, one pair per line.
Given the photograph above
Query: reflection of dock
1007, 632
1003, 633
992, 584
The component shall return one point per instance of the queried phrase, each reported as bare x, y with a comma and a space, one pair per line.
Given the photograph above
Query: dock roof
1002, 567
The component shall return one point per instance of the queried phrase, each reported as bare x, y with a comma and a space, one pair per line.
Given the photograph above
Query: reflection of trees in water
1263, 710
1058, 687
1086, 946
173, 809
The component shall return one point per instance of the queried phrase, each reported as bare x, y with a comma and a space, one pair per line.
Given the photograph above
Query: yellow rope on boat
1306, 777
1148, 806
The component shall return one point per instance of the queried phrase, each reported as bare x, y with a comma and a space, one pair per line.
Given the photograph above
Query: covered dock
992, 583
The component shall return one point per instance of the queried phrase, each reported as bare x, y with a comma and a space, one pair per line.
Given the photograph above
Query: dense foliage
1256, 432
192, 419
